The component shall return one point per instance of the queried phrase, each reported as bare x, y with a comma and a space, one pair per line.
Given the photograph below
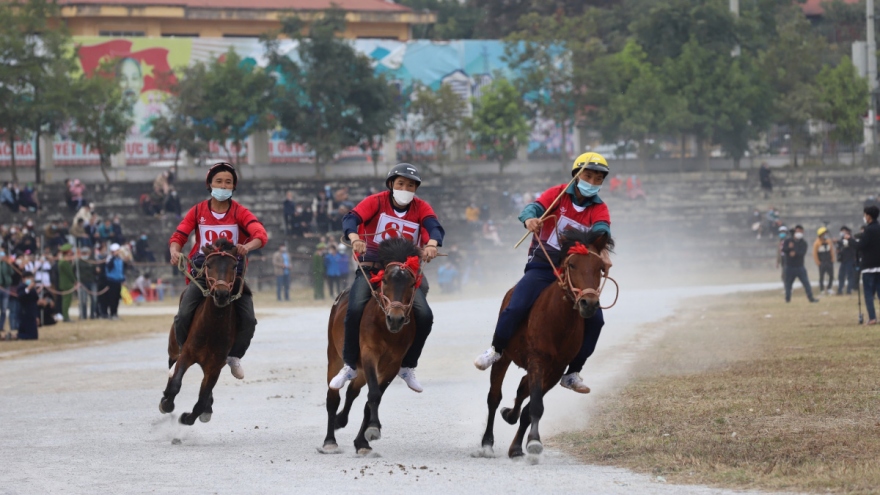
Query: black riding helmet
404, 170
221, 167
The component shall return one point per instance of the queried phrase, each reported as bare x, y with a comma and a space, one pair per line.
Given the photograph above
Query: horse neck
214, 315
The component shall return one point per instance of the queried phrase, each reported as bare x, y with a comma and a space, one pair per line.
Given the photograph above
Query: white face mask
798, 235
403, 197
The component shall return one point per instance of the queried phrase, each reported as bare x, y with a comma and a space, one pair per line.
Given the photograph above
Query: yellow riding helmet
593, 161
822, 230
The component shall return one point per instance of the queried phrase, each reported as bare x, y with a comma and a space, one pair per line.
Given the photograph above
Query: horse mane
569, 237
221, 244
397, 249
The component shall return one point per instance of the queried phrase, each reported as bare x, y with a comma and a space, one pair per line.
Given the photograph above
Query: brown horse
211, 333
549, 338
386, 334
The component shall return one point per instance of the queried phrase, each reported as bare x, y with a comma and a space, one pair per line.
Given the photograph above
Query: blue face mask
588, 189
28, 282
782, 235
221, 194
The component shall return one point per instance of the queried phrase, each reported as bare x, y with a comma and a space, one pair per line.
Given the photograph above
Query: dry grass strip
746, 391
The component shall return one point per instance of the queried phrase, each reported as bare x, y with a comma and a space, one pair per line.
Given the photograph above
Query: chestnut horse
211, 333
387, 332
549, 338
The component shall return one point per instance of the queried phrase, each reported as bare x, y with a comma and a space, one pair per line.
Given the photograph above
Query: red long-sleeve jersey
238, 225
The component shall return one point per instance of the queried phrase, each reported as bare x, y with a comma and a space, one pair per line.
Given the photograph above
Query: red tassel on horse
578, 248
377, 277
414, 264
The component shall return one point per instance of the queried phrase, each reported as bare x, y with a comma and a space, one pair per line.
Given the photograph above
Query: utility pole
734, 8
871, 134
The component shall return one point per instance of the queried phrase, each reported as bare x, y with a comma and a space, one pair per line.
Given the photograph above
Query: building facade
379, 19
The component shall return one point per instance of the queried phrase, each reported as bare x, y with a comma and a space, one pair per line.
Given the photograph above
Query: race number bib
563, 224
397, 227
210, 233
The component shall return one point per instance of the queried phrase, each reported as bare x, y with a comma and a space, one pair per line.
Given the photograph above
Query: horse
386, 334
211, 333
549, 338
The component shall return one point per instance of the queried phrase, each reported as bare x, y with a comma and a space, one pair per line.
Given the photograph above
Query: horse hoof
187, 419
372, 434
366, 452
205, 417
485, 452
165, 407
508, 416
329, 448
341, 422
515, 454
534, 447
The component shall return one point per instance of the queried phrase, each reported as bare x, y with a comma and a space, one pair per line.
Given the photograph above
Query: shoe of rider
345, 374
487, 359
235, 367
572, 381
408, 375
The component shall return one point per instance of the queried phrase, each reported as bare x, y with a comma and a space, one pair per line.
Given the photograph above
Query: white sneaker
487, 359
409, 376
572, 381
345, 374
235, 367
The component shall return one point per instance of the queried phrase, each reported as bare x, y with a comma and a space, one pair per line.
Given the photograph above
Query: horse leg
511, 415
332, 405
209, 410
374, 397
536, 411
166, 405
525, 419
496, 379
208, 383
361, 445
351, 393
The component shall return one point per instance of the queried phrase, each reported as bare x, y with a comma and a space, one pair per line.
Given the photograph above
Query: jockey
579, 208
413, 218
211, 219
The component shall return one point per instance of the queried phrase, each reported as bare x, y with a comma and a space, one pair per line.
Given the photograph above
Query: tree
845, 96
456, 20
631, 99
498, 122
185, 125
101, 116
439, 113
551, 56
332, 99
238, 99
503, 17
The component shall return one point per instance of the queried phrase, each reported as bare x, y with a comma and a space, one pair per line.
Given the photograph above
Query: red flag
153, 64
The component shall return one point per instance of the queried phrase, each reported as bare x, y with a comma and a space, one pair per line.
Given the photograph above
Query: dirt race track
87, 420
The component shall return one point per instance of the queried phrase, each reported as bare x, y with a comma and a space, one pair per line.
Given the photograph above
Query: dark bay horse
387, 332
549, 338
211, 333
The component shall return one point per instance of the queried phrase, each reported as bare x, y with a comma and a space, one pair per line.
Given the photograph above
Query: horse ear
207, 248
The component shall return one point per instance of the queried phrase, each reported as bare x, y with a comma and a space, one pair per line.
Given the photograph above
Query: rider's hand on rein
241, 250
430, 252
534, 225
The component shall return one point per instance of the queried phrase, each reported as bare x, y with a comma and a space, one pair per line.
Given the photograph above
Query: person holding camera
28, 295
869, 252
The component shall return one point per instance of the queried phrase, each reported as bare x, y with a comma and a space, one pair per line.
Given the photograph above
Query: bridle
563, 274
386, 304
211, 282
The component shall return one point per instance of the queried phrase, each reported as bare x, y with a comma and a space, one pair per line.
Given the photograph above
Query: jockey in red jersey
399, 211
579, 208
218, 217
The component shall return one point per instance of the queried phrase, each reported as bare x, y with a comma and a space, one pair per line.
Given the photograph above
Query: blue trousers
846, 274
538, 276
282, 282
358, 297
800, 273
871, 282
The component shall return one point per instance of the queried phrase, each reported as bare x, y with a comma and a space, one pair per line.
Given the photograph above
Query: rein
213, 282
380, 296
565, 269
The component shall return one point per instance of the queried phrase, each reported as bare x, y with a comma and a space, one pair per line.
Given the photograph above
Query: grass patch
749, 392
89, 332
